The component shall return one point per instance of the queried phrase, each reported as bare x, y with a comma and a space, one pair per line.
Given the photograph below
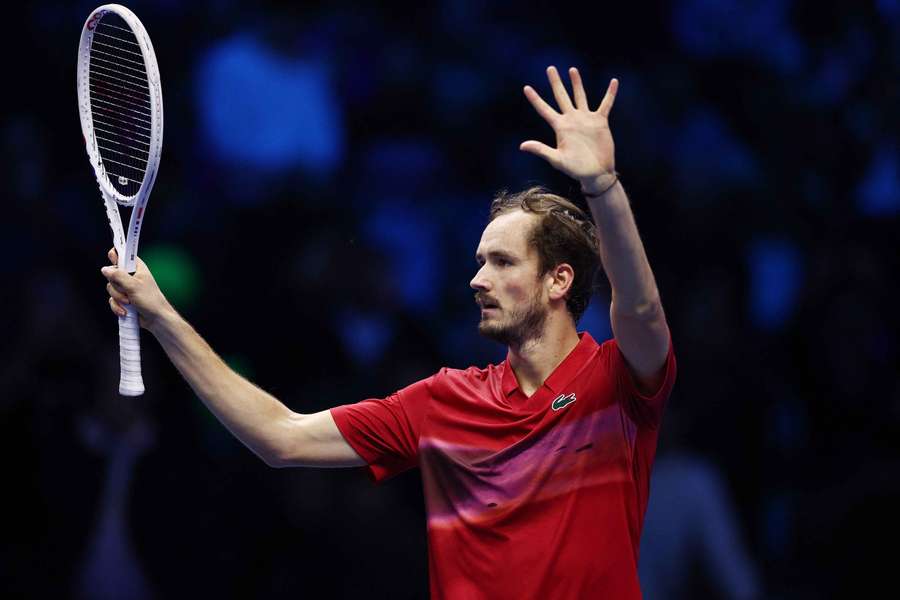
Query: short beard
521, 327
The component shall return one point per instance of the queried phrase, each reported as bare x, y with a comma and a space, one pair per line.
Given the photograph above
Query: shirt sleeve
385, 431
645, 410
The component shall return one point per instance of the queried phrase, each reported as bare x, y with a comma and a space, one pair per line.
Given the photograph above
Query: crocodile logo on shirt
562, 401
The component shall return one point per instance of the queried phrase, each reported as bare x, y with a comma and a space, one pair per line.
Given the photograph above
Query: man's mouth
488, 304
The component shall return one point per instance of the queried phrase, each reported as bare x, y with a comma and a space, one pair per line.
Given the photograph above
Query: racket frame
131, 381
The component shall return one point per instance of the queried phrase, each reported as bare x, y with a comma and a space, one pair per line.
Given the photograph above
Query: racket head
120, 104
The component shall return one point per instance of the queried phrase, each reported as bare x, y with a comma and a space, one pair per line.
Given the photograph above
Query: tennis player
535, 470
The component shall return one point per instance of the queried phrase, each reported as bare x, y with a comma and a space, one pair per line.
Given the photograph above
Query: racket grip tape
130, 381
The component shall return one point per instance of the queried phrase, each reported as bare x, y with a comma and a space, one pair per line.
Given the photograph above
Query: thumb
543, 150
118, 277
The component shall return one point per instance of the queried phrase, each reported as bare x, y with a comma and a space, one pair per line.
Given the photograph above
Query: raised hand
584, 145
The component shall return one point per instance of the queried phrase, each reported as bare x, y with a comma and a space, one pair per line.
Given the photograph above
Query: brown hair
564, 234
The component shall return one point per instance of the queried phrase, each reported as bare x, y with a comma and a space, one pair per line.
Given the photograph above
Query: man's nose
479, 282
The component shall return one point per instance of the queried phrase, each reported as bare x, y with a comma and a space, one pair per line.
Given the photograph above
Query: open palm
584, 145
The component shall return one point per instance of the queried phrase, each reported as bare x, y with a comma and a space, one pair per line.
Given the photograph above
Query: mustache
483, 300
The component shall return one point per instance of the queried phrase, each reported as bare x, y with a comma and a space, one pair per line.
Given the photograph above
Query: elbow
646, 310
277, 457
282, 449
271, 457
274, 461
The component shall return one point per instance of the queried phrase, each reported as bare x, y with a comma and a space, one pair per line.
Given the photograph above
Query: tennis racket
120, 103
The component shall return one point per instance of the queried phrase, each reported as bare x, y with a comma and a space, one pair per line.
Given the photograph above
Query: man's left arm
585, 151
635, 312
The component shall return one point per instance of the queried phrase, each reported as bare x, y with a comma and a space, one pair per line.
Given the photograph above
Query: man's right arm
278, 435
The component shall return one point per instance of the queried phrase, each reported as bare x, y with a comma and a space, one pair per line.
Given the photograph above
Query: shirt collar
509, 378
562, 374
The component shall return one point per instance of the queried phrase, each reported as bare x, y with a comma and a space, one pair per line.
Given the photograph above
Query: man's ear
559, 281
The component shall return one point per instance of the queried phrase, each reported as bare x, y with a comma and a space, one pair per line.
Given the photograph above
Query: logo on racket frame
92, 23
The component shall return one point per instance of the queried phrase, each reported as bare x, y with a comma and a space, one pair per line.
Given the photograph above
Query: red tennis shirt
526, 497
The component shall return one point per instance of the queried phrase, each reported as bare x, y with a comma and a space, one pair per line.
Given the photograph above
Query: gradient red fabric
526, 497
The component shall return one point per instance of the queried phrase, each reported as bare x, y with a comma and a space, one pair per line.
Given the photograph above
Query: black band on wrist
606, 189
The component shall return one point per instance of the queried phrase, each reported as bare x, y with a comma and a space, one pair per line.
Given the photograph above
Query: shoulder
607, 347
609, 355
472, 373
449, 378
590, 353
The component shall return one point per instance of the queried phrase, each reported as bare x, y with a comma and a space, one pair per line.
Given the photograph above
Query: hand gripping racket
120, 103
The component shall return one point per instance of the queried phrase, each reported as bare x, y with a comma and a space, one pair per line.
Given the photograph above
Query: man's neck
534, 360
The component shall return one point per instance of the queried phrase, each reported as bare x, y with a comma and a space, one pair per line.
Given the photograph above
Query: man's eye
503, 262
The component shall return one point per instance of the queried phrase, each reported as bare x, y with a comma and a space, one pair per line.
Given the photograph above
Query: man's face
507, 285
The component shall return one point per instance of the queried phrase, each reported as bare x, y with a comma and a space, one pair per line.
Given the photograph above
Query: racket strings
120, 103
113, 64
135, 109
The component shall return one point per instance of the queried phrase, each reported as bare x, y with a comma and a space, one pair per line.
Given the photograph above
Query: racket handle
130, 381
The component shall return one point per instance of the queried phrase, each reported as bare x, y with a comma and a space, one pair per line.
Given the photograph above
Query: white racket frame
131, 382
